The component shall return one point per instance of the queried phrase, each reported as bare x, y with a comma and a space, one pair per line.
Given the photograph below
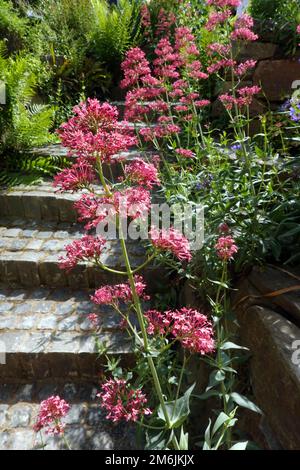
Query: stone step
44, 202
86, 425
30, 252
46, 333
38, 202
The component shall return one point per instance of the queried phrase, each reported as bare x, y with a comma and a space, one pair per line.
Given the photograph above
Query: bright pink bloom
185, 153
224, 3
80, 175
158, 323
93, 209
132, 202
87, 248
135, 67
218, 48
202, 103
226, 248
95, 130
171, 240
122, 402
191, 328
242, 68
228, 101
246, 95
119, 292
220, 64
243, 34
142, 173
50, 414
244, 21
217, 17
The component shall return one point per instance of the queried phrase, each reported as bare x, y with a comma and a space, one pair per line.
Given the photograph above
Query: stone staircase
49, 341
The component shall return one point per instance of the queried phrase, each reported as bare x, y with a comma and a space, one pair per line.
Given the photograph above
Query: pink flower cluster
122, 402
175, 68
298, 31
50, 414
190, 327
79, 176
224, 3
185, 153
142, 173
171, 240
226, 248
87, 248
133, 202
95, 130
245, 97
110, 295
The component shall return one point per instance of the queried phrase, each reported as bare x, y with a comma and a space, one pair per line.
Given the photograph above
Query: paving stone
20, 416
13, 232
23, 440
5, 440
6, 306
35, 245
29, 233
3, 415
18, 245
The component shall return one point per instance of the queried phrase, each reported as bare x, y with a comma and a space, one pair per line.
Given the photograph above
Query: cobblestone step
30, 252
38, 202
46, 333
86, 426
43, 202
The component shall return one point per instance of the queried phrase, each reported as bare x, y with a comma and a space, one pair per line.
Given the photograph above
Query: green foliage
117, 29
13, 27
23, 123
278, 19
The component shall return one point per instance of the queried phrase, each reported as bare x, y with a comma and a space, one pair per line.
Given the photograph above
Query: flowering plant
95, 136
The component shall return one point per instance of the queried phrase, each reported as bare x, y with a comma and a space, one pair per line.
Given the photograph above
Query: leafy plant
278, 19
117, 29
13, 27
23, 123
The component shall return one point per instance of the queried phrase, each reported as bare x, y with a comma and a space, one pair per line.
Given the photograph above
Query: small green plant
13, 27
279, 19
117, 29
23, 123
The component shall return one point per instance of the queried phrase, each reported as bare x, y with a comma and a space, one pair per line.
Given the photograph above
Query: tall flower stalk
89, 134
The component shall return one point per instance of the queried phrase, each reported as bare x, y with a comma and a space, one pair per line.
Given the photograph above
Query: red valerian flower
224, 3
135, 67
87, 248
80, 175
50, 414
226, 248
190, 327
171, 240
185, 153
122, 402
119, 292
95, 131
142, 173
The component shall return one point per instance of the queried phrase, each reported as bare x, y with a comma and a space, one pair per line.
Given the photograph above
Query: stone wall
276, 73
267, 306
